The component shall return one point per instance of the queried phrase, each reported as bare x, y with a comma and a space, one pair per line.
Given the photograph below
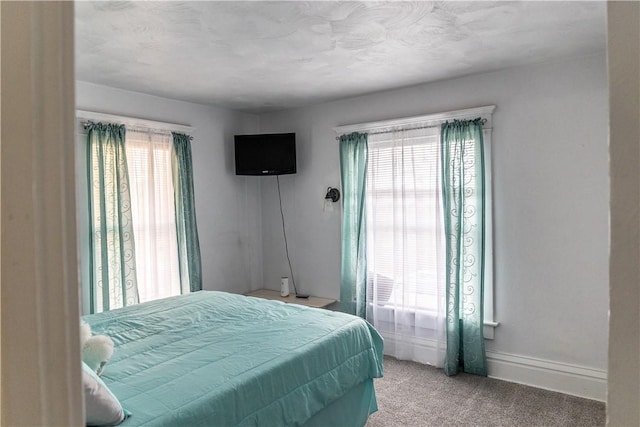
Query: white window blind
153, 211
405, 253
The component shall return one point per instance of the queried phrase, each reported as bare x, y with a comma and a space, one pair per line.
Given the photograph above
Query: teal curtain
112, 269
189, 259
464, 209
353, 167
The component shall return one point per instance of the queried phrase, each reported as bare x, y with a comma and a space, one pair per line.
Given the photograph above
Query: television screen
265, 154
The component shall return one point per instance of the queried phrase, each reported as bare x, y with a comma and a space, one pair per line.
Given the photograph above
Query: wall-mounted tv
265, 154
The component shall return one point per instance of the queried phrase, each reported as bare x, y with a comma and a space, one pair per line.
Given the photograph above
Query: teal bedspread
218, 359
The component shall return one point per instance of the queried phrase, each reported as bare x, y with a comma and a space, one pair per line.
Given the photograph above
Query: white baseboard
565, 378
546, 374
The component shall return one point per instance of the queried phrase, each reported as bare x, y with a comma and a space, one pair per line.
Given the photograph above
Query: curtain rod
483, 121
417, 121
140, 129
132, 121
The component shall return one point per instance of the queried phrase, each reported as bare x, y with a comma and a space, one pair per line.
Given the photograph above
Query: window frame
81, 191
155, 147
486, 113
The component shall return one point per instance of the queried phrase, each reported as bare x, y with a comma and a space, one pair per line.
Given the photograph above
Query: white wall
550, 174
227, 206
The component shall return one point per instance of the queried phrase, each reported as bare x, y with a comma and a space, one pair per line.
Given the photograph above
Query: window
138, 239
404, 218
427, 221
153, 213
405, 246
405, 230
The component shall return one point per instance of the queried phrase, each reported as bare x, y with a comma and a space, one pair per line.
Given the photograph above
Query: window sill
489, 329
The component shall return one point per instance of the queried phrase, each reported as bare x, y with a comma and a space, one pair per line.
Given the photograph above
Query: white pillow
101, 406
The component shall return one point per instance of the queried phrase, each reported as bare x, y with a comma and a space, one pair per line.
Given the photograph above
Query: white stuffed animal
96, 349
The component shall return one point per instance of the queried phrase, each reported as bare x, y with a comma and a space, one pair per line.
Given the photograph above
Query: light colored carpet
412, 394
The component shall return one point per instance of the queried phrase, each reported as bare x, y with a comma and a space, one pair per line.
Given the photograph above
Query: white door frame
623, 52
40, 350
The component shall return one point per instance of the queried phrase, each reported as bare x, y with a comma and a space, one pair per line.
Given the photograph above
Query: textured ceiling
262, 56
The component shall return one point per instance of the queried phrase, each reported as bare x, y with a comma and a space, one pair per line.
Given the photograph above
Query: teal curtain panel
112, 267
464, 210
189, 259
353, 166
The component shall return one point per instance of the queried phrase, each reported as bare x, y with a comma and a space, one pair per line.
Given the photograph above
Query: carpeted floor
412, 394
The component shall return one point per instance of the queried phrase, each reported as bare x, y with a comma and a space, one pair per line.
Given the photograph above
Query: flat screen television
265, 154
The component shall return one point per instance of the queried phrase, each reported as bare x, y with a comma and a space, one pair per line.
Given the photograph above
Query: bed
219, 359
